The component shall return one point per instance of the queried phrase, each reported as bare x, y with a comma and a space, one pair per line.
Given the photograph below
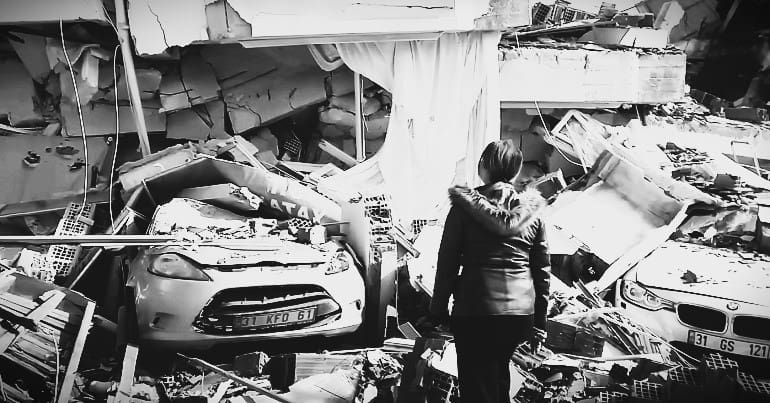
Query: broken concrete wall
159, 24
260, 86
553, 76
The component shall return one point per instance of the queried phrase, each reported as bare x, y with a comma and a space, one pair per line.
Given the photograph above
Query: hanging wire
117, 133
548, 133
80, 117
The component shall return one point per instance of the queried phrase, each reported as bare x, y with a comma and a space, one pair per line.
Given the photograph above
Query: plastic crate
684, 385
70, 225
751, 390
60, 259
612, 397
443, 387
645, 392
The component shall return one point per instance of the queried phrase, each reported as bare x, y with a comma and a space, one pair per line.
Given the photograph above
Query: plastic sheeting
446, 108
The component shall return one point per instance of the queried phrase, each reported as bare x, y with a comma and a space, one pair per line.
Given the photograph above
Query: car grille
752, 326
219, 314
702, 317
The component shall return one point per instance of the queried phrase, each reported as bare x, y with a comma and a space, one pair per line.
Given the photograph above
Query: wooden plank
221, 391
52, 299
127, 375
77, 350
28, 304
49, 321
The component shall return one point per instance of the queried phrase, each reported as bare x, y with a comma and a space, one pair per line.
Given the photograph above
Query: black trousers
485, 345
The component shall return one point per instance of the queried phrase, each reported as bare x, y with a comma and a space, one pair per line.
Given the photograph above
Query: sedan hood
705, 270
275, 252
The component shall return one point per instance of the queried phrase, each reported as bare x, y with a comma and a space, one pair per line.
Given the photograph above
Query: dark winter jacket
495, 235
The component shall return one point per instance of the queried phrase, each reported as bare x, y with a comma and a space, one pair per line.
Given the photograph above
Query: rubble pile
220, 189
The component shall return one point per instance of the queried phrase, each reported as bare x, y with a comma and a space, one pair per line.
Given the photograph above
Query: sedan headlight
174, 266
636, 294
339, 263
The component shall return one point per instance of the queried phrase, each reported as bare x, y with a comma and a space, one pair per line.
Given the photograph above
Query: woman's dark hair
502, 160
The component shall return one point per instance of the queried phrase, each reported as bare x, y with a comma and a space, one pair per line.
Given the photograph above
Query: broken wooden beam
65, 392
245, 382
127, 375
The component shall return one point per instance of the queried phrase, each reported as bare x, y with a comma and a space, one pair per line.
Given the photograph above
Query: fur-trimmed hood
498, 207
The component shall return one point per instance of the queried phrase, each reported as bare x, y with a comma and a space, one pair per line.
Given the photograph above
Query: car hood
273, 251
717, 272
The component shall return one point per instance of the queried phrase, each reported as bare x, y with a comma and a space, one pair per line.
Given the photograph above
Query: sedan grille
227, 307
702, 317
752, 326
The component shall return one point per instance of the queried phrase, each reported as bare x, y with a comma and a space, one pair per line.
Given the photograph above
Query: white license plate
281, 318
739, 347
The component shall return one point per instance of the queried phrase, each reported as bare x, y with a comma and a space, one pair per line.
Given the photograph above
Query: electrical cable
80, 118
110, 21
548, 134
117, 133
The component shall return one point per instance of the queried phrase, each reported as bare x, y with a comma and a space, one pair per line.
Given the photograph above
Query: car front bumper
167, 308
667, 324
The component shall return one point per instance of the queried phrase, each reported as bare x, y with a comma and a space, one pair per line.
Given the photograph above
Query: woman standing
495, 235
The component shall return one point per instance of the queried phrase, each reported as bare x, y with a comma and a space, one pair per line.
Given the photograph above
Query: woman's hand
538, 337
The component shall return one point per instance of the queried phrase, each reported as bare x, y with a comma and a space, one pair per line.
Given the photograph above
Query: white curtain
446, 108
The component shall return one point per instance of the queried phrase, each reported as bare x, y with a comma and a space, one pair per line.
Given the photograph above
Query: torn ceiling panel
99, 118
619, 208
265, 84
584, 139
147, 79
192, 82
37, 11
233, 65
159, 24
285, 195
85, 59
17, 93
273, 96
200, 122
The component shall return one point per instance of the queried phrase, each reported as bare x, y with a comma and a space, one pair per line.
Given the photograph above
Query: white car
258, 288
710, 297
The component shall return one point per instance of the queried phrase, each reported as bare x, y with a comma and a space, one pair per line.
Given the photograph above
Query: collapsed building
189, 176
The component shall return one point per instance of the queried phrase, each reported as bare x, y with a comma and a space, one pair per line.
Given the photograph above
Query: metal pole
360, 139
133, 86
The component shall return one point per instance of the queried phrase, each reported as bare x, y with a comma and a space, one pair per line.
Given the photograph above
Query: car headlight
174, 266
339, 263
636, 294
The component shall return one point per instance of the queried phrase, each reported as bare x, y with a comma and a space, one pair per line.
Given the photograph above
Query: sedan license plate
739, 347
282, 318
